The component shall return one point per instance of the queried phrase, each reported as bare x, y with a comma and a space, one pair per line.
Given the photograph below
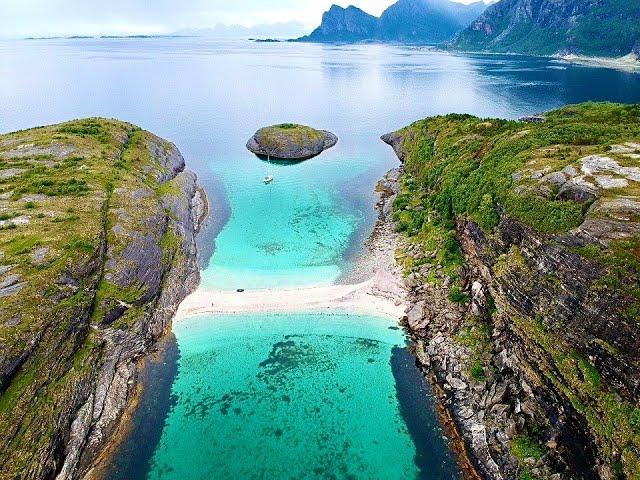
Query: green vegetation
456, 295
525, 447
635, 420
463, 165
7, 215
609, 28
69, 201
460, 168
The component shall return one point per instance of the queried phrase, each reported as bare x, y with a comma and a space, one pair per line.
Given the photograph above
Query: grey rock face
10, 172
344, 25
58, 151
578, 191
142, 220
290, 144
547, 27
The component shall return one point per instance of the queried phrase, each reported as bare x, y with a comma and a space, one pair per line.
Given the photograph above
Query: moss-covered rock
96, 251
289, 141
544, 220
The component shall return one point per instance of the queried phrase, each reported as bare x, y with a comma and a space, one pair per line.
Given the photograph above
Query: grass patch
80, 244
23, 244
525, 447
7, 215
457, 295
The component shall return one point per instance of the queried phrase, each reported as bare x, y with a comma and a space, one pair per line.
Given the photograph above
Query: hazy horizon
26, 18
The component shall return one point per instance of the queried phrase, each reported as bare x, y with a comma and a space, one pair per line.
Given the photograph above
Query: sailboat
269, 178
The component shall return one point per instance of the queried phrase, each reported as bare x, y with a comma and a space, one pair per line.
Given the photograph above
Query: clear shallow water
293, 231
209, 97
248, 386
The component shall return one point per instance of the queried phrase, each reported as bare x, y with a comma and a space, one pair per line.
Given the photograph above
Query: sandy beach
371, 285
381, 295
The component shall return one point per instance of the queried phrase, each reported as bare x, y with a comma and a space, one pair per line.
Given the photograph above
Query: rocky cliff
523, 258
608, 28
408, 21
339, 24
426, 21
96, 252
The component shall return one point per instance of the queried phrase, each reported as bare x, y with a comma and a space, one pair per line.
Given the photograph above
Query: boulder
579, 191
290, 141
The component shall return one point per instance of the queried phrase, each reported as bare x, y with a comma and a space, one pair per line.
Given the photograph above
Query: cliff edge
522, 256
97, 250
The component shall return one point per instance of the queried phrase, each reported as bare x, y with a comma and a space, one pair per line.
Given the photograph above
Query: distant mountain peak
339, 24
543, 27
415, 21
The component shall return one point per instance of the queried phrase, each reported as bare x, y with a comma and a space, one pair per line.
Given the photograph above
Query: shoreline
97, 468
629, 63
100, 466
381, 295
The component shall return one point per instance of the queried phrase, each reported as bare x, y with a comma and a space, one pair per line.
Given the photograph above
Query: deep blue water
282, 384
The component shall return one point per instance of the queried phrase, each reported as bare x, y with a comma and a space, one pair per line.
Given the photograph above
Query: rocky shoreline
628, 63
103, 263
470, 410
381, 249
95, 430
535, 354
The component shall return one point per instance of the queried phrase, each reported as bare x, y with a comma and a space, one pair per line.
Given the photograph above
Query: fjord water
299, 395
293, 396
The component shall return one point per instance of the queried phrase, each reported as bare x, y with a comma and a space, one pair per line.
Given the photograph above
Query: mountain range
546, 27
603, 28
221, 30
407, 21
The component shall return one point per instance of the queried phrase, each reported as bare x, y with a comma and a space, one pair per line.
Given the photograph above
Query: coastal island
97, 250
522, 256
290, 141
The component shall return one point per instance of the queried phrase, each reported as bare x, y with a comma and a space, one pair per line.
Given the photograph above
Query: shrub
457, 295
635, 420
525, 447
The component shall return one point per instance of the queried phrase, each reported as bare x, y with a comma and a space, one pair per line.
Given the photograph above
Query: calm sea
300, 395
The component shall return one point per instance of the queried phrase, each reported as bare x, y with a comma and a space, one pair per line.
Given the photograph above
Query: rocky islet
290, 141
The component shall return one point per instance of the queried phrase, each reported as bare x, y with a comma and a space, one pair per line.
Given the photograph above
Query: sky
95, 17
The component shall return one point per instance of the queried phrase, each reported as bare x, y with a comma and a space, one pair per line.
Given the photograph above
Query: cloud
65, 17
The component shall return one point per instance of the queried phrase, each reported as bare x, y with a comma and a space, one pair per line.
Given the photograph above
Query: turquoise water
293, 231
286, 396
289, 396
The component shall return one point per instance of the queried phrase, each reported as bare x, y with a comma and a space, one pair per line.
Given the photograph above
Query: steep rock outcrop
426, 21
407, 21
545, 27
108, 255
339, 24
524, 308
